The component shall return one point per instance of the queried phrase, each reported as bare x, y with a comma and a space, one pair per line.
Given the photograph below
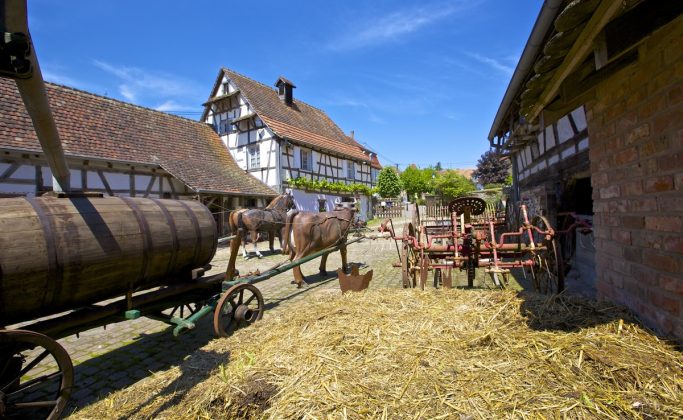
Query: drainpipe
33, 94
534, 44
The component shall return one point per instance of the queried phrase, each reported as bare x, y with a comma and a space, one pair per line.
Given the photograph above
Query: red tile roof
375, 162
300, 123
104, 128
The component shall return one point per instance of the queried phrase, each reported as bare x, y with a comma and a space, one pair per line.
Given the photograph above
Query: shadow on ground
117, 369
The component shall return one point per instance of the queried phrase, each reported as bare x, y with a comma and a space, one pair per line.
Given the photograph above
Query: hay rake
470, 239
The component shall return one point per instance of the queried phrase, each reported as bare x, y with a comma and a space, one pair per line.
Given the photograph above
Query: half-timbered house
593, 122
117, 148
278, 138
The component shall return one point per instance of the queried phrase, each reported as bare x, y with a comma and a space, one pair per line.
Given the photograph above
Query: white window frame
306, 164
350, 170
254, 156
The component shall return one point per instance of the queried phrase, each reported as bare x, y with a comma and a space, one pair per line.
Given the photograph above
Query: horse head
289, 201
282, 202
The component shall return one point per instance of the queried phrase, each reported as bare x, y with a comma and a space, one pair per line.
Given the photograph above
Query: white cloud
171, 105
144, 85
61, 79
127, 93
493, 63
396, 25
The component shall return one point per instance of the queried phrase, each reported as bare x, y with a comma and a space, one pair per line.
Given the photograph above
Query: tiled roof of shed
299, 123
102, 128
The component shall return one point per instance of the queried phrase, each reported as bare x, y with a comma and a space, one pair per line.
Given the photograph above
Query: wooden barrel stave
98, 248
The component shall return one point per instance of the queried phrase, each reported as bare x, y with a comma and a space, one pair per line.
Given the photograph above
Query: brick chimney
285, 90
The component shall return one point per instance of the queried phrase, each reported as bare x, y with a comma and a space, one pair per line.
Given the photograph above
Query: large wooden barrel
58, 254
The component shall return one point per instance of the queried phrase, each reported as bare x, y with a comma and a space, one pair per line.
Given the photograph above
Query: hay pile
408, 354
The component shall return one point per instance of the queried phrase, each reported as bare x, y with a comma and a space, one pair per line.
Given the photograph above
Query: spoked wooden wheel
409, 259
546, 272
240, 305
22, 395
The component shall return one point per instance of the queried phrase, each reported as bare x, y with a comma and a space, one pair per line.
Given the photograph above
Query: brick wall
635, 125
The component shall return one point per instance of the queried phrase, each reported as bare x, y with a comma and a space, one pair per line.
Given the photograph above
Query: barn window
254, 157
306, 160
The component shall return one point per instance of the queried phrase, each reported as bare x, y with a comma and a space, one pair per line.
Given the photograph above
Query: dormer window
285, 90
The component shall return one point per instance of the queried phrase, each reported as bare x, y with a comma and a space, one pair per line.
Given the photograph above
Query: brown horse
309, 232
271, 220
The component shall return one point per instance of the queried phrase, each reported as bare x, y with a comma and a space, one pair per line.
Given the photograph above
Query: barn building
278, 138
593, 123
117, 148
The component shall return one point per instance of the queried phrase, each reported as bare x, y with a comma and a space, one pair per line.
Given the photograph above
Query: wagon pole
226, 239
32, 89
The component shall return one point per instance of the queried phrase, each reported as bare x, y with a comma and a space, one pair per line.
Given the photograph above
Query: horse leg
271, 241
244, 247
299, 278
255, 235
323, 263
342, 251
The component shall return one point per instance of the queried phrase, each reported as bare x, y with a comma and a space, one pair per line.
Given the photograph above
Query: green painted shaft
189, 322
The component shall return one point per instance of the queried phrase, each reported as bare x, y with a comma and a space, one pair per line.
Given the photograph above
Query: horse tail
240, 221
289, 224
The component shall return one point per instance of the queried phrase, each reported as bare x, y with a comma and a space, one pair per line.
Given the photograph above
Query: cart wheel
41, 396
547, 276
240, 305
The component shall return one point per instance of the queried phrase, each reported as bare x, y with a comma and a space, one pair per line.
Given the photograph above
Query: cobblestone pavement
112, 358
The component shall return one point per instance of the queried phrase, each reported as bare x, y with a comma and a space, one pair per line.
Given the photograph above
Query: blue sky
418, 81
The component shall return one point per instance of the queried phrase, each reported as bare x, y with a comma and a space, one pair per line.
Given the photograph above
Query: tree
438, 166
416, 181
449, 184
492, 168
388, 182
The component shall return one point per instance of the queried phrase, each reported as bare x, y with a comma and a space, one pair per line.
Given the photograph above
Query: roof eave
544, 23
242, 194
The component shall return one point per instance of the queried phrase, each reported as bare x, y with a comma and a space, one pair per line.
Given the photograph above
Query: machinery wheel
408, 259
41, 396
240, 305
416, 216
547, 274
